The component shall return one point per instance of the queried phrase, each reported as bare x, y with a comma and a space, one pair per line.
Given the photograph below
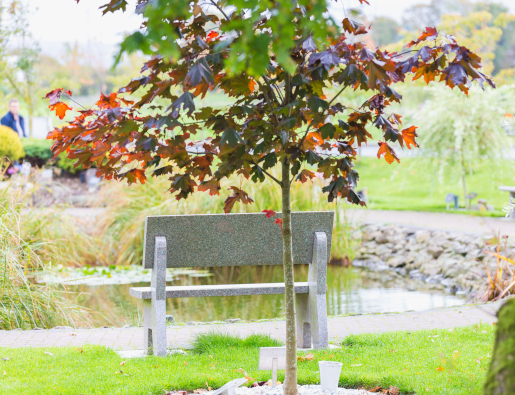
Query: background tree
385, 31
285, 67
464, 133
18, 55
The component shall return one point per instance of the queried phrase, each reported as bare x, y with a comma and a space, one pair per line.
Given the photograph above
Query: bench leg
318, 310
154, 327
303, 323
317, 281
154, 310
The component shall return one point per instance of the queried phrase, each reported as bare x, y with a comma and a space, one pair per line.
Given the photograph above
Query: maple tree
286, 65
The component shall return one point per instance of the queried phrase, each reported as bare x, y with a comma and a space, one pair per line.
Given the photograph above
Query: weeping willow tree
459, 133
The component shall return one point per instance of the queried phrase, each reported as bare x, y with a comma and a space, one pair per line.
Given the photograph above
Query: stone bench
181, 241
511, 190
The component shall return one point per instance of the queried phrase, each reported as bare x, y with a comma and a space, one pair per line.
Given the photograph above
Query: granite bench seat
219, 290
217, 240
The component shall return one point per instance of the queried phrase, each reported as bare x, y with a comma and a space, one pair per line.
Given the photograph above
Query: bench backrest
233, 239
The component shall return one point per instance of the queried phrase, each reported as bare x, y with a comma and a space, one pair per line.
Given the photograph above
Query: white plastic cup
330, 375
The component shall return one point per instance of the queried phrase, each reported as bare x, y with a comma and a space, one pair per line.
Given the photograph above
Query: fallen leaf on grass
392, 390
4, 373
440, 368
185, 363
122, 363
356, 364
208, 387
48, 353
6, 359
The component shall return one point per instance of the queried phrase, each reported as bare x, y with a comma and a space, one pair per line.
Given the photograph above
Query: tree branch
287, 90
268, 174
271, 90
268, 101
220, 9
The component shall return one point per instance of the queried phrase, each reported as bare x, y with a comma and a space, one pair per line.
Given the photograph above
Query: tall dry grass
23, 253
121, 228
116, 236
500, 282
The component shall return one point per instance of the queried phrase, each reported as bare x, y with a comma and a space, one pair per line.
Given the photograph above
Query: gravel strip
302, 390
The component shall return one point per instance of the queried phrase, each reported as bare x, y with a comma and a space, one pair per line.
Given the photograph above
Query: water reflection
350, 291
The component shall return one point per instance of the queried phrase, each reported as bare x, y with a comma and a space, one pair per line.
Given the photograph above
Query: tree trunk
500, 379
464, 182
290, 381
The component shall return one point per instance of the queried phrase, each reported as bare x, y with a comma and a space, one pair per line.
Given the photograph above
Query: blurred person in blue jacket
13, 119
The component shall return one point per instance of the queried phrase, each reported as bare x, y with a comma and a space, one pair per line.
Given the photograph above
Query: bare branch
220, 9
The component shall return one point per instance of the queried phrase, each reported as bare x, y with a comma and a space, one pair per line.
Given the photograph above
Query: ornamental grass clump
500, 282
24, 303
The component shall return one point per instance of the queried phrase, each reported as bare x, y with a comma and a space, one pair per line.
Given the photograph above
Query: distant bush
67, 164
37, 151
10, 144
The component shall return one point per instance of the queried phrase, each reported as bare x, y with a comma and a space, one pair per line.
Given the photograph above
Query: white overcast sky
55, 22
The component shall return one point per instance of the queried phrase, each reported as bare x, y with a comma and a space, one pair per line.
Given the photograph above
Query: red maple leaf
429, 34
54, 97
211, 36
269, 213
108, 101
60, 109
279, 221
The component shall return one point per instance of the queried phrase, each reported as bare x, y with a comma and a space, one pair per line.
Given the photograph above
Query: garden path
435, 221
180, 336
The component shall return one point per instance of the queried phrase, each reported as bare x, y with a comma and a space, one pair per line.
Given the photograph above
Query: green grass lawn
436, 361
411, 186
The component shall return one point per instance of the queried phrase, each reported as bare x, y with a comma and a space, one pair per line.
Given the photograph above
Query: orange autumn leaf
213, 186
60, 109
312, 140
211, 36
408, 136
252, 85
305, 175
108, 101
388, 152
440, 369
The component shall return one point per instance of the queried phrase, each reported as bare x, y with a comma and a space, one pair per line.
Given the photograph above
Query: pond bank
449, 261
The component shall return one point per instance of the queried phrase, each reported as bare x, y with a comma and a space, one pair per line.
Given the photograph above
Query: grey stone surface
154, 310
219, 290
233, 239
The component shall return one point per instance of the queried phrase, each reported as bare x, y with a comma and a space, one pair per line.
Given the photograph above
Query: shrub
10, 144
67, 164
37, 151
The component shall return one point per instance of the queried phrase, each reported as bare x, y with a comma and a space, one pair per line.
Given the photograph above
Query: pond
350, 291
